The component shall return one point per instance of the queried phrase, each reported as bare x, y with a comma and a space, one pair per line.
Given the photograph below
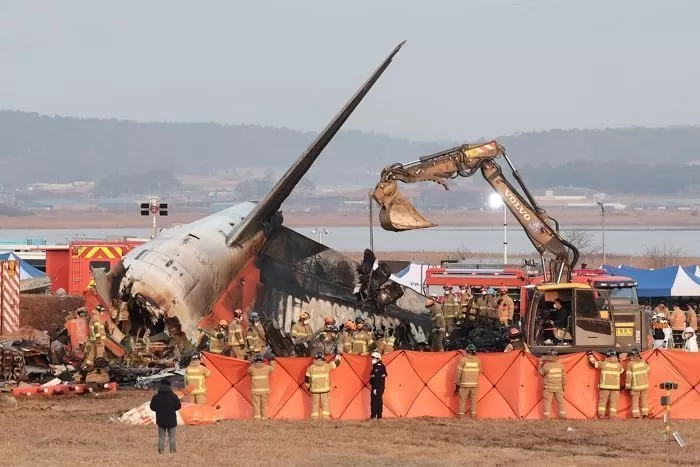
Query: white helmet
377, 355
690, 332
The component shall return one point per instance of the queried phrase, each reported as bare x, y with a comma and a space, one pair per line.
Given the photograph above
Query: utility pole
602, 210
154, 207
371, 224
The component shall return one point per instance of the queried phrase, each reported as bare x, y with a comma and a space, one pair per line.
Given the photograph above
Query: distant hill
37, 148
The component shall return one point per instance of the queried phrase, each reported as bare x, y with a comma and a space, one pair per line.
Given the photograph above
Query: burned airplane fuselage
181, 273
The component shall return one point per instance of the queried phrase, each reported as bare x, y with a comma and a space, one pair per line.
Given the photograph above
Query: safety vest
319, 376
637, 375
195, 375
609, 375
554, 374
97, 329
468, 372
260, 378
450, 307
389, 342
253, 341
301, 331
235, 334
360, 342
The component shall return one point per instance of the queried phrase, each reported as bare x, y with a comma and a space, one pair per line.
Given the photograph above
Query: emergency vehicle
69, 267
525, 285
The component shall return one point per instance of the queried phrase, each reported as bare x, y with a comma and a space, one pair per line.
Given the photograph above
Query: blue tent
650, 282
26, 270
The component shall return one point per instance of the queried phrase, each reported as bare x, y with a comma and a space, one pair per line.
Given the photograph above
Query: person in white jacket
691, 340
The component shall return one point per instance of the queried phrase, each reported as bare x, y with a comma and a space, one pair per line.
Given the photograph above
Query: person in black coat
377, 379
166, 404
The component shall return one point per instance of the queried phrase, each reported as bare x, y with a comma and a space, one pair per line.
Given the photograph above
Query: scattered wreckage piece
63, 389
189, 414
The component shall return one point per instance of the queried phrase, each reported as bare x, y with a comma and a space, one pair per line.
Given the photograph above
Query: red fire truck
69, 267
520, 280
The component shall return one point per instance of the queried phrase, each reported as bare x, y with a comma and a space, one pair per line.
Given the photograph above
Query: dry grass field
76, 431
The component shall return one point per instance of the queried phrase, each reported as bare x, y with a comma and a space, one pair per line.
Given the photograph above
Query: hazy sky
469, 69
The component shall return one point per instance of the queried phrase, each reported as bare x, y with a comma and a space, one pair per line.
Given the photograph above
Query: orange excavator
585, 320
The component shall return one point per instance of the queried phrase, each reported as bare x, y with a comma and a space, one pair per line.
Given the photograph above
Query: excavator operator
556, 328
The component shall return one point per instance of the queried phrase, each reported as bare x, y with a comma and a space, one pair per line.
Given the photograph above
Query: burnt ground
46, 312
76, 430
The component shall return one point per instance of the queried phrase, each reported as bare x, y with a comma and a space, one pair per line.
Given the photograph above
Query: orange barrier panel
422, 384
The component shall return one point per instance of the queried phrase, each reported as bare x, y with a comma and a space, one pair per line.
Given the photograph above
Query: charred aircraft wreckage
171, 283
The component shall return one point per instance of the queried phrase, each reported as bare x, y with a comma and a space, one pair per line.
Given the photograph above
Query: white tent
684, 285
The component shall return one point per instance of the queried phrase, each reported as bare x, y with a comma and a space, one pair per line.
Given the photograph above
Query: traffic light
144, 209
163, 209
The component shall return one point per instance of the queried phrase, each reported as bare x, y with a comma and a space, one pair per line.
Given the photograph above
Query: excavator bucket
397, 213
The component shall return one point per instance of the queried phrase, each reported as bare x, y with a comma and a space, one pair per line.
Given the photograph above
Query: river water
618, 240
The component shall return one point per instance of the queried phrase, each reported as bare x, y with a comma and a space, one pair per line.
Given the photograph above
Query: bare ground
47, 312
76, 431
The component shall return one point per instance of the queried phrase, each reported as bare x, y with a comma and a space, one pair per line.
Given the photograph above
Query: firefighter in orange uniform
438, 321
466, 303
506, 306
467, 381
96, 346
361, 339
301, 329
554, 375
260, 385
516, 342
318, 382
450, 309
610, 371
217, 340
345, 338
196, 376
637, 383
661, 308
235, 341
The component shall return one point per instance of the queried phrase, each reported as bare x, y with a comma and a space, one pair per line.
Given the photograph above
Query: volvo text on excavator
582, 318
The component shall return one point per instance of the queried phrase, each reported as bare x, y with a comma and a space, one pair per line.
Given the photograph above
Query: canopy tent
26, 270
673, 281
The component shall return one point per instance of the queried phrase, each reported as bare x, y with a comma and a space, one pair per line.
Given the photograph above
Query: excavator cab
569, 316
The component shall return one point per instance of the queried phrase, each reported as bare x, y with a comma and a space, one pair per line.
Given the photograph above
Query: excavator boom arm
398, 214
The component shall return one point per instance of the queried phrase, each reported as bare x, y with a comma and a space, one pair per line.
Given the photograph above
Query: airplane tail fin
281, 191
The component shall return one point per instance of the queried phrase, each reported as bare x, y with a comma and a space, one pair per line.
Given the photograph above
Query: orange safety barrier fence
422, 384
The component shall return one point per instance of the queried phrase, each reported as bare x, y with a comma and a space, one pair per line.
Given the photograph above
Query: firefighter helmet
359, 320
634, 352
328, 320
349, 325
196, 356
503, 289
377, 355
553, 352
319, 355
254, 317
223, 322
610, 352
514, 332
471, 349
303, 315
258, 358
237, 312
